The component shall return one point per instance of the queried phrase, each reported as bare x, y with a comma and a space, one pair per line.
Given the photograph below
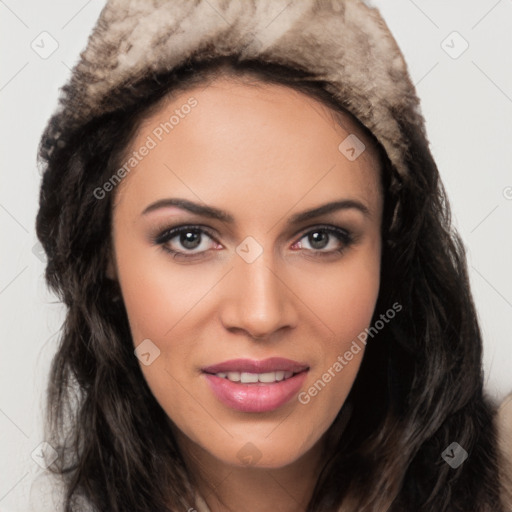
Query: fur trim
343, 42
504, 429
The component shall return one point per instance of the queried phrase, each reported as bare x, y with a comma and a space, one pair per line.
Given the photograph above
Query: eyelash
344, 236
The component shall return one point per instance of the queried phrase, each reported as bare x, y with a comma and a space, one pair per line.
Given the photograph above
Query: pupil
190, 239
318, 239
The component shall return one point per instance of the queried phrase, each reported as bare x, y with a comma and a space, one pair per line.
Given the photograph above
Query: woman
268, 307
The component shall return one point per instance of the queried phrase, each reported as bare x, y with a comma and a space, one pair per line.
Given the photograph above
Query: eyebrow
215, 213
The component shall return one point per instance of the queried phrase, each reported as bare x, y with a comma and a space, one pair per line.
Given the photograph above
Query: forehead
228, 92
254, 138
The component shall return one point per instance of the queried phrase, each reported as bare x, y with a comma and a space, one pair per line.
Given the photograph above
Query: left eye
327, 239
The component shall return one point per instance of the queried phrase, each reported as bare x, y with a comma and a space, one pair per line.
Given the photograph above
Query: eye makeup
190, 241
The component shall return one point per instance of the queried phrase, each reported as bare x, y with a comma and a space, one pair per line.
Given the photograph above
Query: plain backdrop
459, 56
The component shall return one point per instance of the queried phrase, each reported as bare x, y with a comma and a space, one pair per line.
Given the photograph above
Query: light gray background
467, 104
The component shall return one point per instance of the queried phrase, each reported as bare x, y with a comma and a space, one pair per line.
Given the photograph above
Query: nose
258, 300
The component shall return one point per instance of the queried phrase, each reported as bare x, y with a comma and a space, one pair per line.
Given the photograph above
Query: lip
272, 364
256, 397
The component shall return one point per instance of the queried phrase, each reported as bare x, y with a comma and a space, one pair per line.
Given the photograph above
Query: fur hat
344, 43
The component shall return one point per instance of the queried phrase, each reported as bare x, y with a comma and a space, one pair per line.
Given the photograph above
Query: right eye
186, 241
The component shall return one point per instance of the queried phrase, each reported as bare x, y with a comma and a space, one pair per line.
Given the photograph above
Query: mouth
256, 378
256, 386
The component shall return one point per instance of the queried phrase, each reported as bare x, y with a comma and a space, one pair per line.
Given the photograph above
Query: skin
262, 153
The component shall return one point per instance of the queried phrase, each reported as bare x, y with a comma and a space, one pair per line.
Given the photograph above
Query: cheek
170, 305
345, 302
164, 304
344, 296
158, 294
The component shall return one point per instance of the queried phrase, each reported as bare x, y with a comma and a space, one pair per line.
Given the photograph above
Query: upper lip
271, 364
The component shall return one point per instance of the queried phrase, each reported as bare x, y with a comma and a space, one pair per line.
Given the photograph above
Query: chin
261, 452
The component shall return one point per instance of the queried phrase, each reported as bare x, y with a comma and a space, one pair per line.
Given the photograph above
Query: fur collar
504, 429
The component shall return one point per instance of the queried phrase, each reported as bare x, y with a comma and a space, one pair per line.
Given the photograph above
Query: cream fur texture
344, 42
504, 429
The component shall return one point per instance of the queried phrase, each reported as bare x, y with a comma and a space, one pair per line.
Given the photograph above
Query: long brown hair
418, 390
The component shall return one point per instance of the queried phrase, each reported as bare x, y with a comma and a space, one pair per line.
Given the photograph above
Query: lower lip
257, 397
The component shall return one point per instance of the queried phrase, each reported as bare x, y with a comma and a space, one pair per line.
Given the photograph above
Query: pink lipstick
256, 386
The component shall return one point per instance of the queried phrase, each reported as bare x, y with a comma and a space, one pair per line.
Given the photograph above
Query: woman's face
245, 318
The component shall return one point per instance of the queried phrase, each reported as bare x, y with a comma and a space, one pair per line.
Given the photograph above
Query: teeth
266, 377
251, 378
246, 377
234, 376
